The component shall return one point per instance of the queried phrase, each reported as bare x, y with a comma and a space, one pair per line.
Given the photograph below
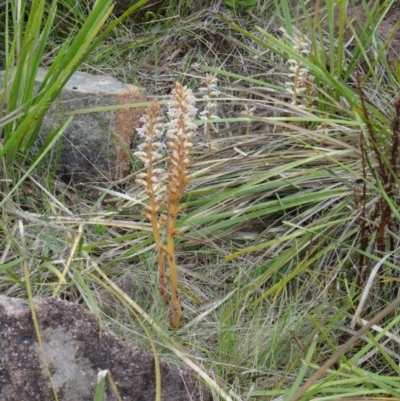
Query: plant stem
157, 241
173, 271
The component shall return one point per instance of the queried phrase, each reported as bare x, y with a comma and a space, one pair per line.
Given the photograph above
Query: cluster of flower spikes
181, 129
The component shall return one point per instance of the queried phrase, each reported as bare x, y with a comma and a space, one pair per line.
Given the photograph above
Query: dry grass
269, 179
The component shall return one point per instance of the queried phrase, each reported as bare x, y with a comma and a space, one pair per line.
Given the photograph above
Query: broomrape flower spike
181, 129
210, 111
302, 82
149, 154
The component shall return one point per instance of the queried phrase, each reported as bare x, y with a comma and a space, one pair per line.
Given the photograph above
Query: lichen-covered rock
76, 350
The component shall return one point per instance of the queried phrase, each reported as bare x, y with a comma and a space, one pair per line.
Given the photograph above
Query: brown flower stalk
180, 132
148, 153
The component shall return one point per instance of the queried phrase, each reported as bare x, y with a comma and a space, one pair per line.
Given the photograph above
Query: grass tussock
272, 230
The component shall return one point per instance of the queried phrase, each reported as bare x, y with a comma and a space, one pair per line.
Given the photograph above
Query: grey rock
76, 350
95, 146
